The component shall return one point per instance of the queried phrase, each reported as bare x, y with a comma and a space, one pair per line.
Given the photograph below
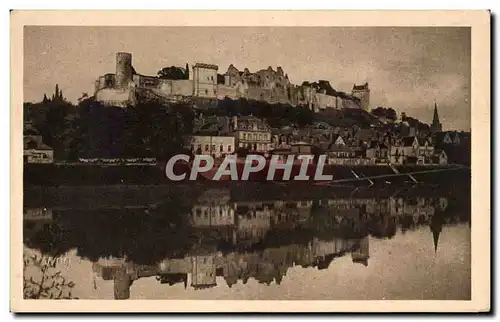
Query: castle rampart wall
111, 96
326, 101
224, 91
268, 95
182, 87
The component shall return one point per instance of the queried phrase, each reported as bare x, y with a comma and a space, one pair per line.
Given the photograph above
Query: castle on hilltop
127, 87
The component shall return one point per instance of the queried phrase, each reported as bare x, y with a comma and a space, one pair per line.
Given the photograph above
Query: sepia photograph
307, 161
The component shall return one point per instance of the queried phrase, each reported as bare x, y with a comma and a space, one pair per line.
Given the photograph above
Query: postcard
250, 161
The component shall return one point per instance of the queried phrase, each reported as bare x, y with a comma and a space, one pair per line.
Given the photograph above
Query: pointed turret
436, 125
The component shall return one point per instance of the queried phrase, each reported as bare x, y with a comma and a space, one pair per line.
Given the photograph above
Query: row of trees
90, 129
276, 115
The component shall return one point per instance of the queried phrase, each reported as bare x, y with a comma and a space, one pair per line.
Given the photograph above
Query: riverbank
94, 174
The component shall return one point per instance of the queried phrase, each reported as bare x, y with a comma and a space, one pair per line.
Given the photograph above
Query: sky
407, 68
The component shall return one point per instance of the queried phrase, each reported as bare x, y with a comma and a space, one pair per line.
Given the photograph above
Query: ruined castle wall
102, 82
268, 95
165, 87
111, 96
339, 103
347, 103
258, 94
182, 87
146, 81
224, 91
294, 96
326, 101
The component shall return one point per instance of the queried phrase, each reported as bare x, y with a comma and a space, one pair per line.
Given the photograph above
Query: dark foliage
388, 113
276, 115
93, 130
173, 72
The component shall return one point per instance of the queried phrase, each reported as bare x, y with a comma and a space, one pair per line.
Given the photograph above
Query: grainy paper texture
393, 100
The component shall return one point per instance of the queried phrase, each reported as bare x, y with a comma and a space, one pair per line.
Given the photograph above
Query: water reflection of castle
246, 223
200, 270
233, 234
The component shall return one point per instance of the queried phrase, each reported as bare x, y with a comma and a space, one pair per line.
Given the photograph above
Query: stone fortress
126, 86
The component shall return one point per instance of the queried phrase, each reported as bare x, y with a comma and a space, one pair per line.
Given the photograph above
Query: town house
412, 150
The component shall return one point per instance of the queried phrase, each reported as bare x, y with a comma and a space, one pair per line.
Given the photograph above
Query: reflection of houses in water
36, 220
253, 222
322, 249
248, 222
276, 235
362, 254
105, 268
213, 209
203, 271
212, 215
290, 214
415, 207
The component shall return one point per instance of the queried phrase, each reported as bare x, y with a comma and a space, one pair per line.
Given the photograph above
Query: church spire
436, 125
435, 235
436, 226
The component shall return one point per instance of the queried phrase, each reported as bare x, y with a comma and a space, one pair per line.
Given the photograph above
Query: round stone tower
123, 69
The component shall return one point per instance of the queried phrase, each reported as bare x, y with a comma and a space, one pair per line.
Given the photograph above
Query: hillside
347, 118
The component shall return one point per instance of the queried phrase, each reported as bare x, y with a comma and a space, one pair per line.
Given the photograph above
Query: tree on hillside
391, 114
388, 113
51, 118
56, 93
379, 111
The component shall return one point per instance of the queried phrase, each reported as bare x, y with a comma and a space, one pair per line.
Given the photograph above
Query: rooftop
209, 66
360, 87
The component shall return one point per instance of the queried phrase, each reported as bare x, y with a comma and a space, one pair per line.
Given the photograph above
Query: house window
228, 148
206, 147
221, 148
206, 91
213, 147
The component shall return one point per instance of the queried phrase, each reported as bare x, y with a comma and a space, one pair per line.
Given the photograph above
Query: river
251, 242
